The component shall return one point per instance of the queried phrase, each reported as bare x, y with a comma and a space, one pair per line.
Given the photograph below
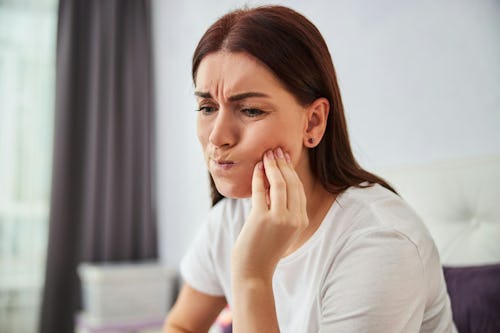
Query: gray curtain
102, 204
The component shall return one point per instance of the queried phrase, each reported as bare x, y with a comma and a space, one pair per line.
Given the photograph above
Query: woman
300, 237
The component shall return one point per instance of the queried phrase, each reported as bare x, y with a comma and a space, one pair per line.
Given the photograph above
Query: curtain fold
102, 203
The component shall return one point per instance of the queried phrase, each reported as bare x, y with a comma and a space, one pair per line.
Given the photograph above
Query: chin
231, 190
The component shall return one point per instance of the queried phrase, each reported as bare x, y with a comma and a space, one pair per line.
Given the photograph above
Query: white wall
420, 82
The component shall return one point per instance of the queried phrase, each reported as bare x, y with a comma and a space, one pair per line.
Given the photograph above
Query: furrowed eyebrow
234, 98
202, 94
239, 97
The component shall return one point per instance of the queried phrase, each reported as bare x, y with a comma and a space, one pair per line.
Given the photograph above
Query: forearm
193, 312
171, 327
254, 309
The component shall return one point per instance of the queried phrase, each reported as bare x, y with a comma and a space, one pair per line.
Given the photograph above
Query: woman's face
244, 111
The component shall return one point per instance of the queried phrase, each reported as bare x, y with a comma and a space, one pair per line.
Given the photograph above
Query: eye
206, 109
252, 112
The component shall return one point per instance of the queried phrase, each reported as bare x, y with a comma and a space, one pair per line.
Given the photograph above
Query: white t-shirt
371, 266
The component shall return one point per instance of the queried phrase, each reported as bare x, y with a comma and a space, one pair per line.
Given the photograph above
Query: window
27, 93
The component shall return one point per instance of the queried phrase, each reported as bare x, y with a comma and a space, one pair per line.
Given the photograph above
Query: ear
316, 117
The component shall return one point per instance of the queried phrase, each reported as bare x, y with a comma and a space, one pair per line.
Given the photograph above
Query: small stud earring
310, 140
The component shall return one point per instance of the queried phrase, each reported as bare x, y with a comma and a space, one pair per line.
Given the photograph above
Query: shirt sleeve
376, 284
198, 267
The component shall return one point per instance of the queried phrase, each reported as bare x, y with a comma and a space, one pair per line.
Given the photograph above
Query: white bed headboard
459, 201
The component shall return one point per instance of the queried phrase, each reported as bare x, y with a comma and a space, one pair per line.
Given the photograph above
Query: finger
277, 185
258, 187
291, 179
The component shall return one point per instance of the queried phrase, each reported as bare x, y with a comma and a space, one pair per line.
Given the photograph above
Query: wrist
251, 284
245, 275
244, 272
253, 305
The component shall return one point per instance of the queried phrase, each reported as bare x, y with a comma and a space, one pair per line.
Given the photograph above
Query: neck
319, 201
316, 194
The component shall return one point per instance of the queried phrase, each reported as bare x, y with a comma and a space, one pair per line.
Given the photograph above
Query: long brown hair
293, 48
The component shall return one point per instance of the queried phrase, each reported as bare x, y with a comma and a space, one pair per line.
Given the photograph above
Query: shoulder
382, 247
206, 265
377, 207
373, 198
375, 214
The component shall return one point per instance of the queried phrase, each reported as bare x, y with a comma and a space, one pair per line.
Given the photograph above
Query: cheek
285, 133
290, 144
263, 140
202, 133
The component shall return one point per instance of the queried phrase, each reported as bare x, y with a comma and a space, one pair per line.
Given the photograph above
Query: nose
224, 129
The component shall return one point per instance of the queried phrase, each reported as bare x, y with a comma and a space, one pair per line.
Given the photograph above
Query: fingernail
260, 165
279, 153
287, 157
270, 154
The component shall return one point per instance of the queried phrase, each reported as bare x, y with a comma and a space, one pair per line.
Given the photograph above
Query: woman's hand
277, 217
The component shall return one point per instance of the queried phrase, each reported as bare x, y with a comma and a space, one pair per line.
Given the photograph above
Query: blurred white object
459, 201
118, 293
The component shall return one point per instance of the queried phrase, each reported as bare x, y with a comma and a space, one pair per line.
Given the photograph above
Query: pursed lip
223, 164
